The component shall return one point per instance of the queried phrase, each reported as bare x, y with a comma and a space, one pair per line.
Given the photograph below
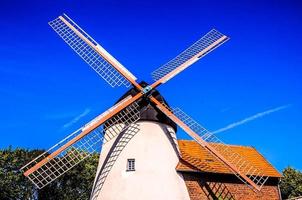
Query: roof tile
196, 158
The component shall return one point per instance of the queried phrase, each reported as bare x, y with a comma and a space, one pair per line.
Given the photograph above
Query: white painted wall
155, 161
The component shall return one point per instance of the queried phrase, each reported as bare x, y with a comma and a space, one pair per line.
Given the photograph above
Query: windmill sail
88, 139
203, 46
240, 166
112, 71
79, 145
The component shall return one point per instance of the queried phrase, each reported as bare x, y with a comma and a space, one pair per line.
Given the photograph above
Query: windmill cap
148, 111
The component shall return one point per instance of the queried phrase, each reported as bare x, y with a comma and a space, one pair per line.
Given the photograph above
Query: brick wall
209, 186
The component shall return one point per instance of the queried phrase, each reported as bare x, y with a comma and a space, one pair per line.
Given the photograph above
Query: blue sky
48, 91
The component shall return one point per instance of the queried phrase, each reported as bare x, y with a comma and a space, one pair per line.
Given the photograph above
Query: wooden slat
113, 62
187, 63
200, 141
81, 135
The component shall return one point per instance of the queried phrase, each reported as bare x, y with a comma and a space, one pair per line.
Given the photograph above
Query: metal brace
147, 89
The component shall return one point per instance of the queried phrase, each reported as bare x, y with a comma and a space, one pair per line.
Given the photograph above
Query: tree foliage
75, 184
291, 183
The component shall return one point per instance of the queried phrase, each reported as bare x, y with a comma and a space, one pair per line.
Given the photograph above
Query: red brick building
208, 178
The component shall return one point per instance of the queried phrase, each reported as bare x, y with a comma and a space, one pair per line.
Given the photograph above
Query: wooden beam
202, 142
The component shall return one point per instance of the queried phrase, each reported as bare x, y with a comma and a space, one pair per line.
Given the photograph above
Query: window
131, 164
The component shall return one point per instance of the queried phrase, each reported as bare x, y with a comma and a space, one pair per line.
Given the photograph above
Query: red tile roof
198, 159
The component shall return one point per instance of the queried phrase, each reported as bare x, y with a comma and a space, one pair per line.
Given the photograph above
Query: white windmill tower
141, 156
139, 153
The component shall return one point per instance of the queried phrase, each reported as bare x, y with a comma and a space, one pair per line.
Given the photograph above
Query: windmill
125, 116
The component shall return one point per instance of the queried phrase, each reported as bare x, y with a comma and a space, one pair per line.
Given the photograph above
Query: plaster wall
154, 148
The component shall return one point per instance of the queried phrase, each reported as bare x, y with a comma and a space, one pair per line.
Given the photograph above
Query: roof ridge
233, 145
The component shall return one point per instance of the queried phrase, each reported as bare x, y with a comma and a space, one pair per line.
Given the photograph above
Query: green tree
291, 183
12, 184
75, 184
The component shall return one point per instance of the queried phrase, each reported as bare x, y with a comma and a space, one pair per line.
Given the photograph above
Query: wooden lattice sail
86, 140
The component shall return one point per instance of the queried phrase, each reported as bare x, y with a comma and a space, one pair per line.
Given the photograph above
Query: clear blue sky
47, 90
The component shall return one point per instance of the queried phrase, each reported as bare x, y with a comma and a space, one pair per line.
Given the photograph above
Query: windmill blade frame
81, 144
52, 164
199, 49
104, 64
242, 168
